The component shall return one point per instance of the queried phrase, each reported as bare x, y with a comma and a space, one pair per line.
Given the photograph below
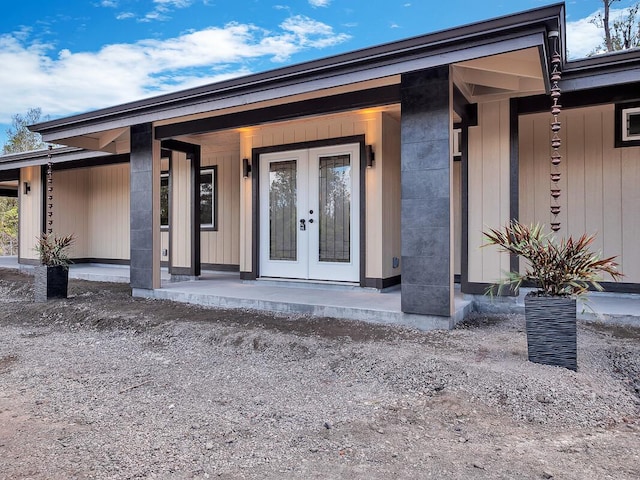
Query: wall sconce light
370, 156
26, 188
246, 167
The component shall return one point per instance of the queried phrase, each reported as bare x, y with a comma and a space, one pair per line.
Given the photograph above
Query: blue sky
72, 56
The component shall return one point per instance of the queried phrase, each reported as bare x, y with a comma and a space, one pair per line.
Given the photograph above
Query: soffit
507, 75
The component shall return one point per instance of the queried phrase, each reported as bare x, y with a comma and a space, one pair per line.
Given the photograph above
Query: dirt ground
103, 385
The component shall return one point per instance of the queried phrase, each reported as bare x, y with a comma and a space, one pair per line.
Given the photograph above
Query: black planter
50, 282
551, 331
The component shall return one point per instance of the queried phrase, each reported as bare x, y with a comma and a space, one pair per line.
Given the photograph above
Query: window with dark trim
164, 200
627, 124
208, 198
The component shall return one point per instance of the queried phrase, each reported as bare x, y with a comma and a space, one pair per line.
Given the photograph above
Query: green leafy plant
54, 250
556, 268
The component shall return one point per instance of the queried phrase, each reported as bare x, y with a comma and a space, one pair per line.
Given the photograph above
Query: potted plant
560, 271
52, 275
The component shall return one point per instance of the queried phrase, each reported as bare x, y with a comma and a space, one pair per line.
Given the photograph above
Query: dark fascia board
581, 98
548, 18
58, 155
605, 70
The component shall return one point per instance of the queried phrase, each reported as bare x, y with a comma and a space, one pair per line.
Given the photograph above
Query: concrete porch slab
227, 291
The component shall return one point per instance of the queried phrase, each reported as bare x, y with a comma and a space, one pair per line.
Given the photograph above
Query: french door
310, 213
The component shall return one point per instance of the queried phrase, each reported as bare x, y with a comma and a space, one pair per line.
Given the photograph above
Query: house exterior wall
370, 123
180, 211
222, 246
388, 183
93, 204
489, 191
456, 172
600, 183
108, 216
71, 207
30, 212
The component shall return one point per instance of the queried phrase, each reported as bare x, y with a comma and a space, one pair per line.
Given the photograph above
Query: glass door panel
283, 211
334, 211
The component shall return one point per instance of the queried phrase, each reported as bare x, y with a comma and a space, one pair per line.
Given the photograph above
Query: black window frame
165, 175
620, 124
213, 225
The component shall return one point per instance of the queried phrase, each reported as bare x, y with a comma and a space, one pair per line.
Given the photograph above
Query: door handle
311, 220
303, 224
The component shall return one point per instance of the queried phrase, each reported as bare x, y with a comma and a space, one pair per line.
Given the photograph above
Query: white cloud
72, 82
125, 15
163, 8
109, 3
583, 37
319, 3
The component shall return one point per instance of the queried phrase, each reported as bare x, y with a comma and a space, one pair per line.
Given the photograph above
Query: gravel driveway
103, 385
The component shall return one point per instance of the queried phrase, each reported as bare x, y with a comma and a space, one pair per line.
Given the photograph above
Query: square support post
145, 208
426, 203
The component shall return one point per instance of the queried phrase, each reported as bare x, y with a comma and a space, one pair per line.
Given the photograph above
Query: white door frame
307, 265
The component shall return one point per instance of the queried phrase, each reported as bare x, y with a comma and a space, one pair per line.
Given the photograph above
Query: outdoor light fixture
246, 167
369, 155
27, 188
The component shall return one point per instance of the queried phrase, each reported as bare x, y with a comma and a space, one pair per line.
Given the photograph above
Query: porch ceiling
114, 141
511, 74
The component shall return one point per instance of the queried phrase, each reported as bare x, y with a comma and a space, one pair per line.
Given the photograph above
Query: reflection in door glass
335, 209
282, 211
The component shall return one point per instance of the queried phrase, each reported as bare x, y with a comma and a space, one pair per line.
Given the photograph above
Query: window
208, 200
627, 124
164, 199
631, 124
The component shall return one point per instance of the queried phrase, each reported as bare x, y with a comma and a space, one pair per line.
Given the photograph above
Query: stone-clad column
427, 287
145, 208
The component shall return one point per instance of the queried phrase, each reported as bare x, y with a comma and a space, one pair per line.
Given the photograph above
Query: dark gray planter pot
551, 331
50, 282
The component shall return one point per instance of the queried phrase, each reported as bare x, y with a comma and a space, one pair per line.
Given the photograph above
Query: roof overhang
493, 37
607, 70
55, 155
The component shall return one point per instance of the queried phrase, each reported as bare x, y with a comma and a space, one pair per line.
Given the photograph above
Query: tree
20, 138
8, 226
623, 33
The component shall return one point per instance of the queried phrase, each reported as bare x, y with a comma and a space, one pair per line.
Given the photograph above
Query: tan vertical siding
30, 212
180, 211
108, 212
70, 208
221, 247
457, 216
488, 188
600, 191
91, 203
390, 179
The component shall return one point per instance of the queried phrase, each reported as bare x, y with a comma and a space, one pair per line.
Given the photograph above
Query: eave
508, 33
